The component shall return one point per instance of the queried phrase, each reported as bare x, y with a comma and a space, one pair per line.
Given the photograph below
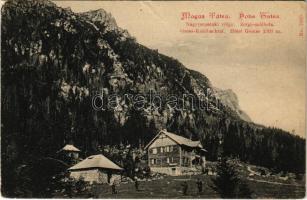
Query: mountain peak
229, 97
101, 17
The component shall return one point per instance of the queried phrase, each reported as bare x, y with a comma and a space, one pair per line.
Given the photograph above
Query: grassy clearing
268, 190
170, 187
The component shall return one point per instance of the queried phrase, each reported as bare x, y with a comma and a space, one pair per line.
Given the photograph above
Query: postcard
153, 99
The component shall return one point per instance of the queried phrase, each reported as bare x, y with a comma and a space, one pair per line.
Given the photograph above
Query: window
154, 151
152, 161
75, 155
171, 148
167, 149
185, 160
172, 160
161, 149
167, 160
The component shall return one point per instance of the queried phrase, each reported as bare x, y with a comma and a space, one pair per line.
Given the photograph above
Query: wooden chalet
172, 154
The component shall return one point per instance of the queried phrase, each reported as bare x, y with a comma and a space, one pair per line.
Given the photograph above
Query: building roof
182, 140
178, 139
95, 161
70, 147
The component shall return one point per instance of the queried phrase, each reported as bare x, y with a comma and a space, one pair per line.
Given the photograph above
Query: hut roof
70, 147
95, 161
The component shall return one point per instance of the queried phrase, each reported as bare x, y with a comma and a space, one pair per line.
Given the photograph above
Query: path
271, 182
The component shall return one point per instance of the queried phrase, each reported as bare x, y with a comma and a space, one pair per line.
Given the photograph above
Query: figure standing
184, 187
136, 184
113, 186
199, 185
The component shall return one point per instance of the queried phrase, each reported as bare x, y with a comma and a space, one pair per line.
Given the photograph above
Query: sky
266, 71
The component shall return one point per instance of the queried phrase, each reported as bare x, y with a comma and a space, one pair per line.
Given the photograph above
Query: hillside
55, 61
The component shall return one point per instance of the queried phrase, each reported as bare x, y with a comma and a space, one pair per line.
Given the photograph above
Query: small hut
70, 151
69, 154
96, 168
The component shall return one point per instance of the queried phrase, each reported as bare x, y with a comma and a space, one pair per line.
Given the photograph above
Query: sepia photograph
153, 99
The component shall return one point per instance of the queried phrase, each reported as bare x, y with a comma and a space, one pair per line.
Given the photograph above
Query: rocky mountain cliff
230, 99
55, 61
87, 53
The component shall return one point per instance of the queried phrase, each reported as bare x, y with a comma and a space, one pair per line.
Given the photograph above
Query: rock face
105, 20
230, 99
55, 61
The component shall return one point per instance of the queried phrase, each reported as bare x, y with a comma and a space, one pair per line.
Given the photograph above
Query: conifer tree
227, 183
